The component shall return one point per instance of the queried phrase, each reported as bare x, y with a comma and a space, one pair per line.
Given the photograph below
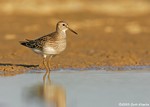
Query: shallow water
82, 89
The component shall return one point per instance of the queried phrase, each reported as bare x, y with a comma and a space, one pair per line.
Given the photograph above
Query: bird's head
63, 26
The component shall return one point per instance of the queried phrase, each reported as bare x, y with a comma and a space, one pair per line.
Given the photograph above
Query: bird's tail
28, 43
22, 42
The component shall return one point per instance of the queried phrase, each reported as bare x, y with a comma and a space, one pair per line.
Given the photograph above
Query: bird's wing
38, 43
31, 44
48, 37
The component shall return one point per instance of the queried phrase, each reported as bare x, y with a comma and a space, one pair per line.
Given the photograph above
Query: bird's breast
55, 47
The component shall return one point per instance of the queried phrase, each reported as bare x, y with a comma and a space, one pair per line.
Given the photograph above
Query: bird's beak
72, 31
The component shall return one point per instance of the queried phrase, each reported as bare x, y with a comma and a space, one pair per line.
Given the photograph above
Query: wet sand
104, 40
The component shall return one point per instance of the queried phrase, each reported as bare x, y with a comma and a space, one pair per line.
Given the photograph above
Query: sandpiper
49, 45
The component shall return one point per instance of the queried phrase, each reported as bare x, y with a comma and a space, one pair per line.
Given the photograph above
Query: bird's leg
49, 64
45, 65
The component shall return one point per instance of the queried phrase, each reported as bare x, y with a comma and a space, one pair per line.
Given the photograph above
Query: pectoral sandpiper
49, 45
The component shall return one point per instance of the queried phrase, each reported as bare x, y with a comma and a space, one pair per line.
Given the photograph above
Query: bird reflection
53, 93
48, 95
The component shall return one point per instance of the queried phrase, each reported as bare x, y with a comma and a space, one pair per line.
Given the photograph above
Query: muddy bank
103, 41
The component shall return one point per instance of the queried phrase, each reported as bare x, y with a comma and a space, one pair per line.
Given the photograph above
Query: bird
49, 45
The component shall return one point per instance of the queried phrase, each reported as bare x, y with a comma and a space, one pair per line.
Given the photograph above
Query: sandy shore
105, 39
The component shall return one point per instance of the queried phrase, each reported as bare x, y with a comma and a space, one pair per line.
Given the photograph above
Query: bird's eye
63, 24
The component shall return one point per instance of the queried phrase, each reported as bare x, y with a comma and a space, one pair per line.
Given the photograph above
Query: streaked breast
55, 47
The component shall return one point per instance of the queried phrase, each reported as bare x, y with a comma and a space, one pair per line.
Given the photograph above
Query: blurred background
111, 32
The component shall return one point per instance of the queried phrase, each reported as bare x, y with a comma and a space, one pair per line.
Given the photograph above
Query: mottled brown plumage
49, 45
40, 42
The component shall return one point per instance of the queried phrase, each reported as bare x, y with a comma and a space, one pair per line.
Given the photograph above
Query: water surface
92, 88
